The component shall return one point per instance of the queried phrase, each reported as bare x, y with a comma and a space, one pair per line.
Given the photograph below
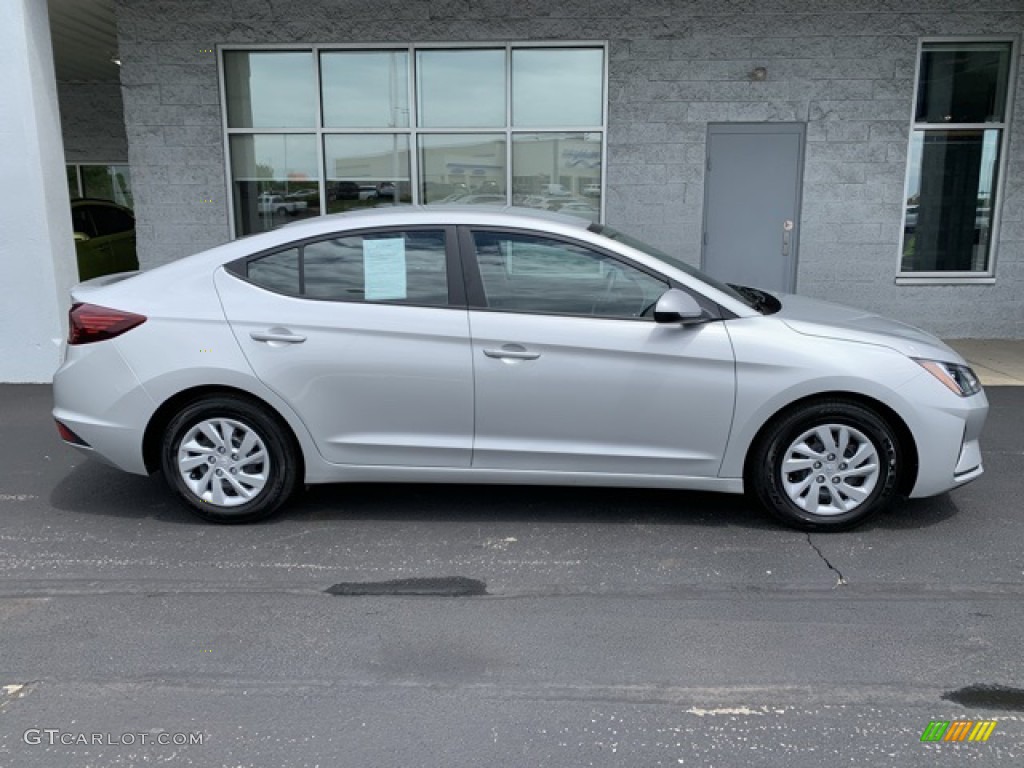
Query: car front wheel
229, 460
828, 466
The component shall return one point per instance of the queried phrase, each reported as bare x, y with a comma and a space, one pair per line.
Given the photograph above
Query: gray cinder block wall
845, 68
92, 123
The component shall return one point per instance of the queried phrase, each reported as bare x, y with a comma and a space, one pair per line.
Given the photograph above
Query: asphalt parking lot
616, 628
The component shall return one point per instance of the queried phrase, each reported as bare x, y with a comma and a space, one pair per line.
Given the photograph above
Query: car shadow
93, 488
525, 503
96, 489
907, 514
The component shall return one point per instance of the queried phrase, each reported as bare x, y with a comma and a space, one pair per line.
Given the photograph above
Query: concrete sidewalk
998, 362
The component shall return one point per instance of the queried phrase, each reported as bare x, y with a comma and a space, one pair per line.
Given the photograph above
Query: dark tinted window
525, 273
278, 271
963, 82
401, 267
81, 221
110, 221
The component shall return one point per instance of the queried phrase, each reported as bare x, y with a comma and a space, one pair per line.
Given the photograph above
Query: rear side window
278, 271
397, 267
81, 222
110, 220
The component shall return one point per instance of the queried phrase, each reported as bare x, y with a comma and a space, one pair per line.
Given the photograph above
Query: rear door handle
512, 352
286, 338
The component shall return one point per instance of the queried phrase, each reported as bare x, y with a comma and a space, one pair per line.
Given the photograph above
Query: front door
752, 203
572, 373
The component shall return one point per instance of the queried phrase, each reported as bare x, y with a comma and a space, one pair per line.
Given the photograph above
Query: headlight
958, 378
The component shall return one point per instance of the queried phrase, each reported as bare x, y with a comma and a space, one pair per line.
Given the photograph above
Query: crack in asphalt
840, 579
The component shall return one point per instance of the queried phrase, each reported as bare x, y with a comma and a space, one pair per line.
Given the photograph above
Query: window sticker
384, 269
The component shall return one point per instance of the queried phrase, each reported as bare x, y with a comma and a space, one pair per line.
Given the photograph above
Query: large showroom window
323, 129
101, 182
955, 159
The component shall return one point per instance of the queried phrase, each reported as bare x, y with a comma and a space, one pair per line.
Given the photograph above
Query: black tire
281, 478
765, 478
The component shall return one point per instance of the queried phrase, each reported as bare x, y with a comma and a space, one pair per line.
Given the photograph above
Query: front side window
395, 267
492, 125
527, 273
960, 121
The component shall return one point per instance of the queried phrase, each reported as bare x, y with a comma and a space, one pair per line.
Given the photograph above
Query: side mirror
81, 237
676, 306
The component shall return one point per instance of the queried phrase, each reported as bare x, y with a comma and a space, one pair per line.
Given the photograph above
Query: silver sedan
483, 345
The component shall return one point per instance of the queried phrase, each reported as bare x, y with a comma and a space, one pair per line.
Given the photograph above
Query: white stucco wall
37, 255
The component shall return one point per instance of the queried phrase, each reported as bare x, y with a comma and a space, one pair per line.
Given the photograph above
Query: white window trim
959, 278
413, 131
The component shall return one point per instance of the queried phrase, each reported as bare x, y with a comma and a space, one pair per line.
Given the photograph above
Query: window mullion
320, 158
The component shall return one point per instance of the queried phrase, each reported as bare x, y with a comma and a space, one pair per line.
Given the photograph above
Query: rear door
366, 336
573, 374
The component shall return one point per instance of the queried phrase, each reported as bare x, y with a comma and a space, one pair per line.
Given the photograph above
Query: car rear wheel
828, 466
229, 460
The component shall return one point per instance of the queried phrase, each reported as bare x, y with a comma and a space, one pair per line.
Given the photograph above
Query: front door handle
281, 336
512, 352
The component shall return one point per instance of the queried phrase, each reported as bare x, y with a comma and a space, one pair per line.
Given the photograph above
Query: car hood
813, 317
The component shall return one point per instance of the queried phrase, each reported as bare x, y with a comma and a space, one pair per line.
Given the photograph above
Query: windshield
672, 261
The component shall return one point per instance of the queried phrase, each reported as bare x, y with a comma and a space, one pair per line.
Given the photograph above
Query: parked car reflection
104, 238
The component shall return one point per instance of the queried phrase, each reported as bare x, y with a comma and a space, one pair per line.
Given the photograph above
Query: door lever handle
512, 352
287, 338
787, 236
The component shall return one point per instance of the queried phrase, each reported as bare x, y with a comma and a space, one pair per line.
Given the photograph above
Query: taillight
88, 323
68, 436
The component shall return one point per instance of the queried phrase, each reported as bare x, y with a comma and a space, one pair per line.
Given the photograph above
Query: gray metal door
752, 203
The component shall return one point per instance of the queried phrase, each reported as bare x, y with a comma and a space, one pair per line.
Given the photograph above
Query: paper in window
384, 269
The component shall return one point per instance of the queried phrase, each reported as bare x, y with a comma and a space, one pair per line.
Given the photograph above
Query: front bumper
947, 431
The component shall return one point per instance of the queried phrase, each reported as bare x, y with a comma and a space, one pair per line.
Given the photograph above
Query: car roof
404, 216
439, 213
